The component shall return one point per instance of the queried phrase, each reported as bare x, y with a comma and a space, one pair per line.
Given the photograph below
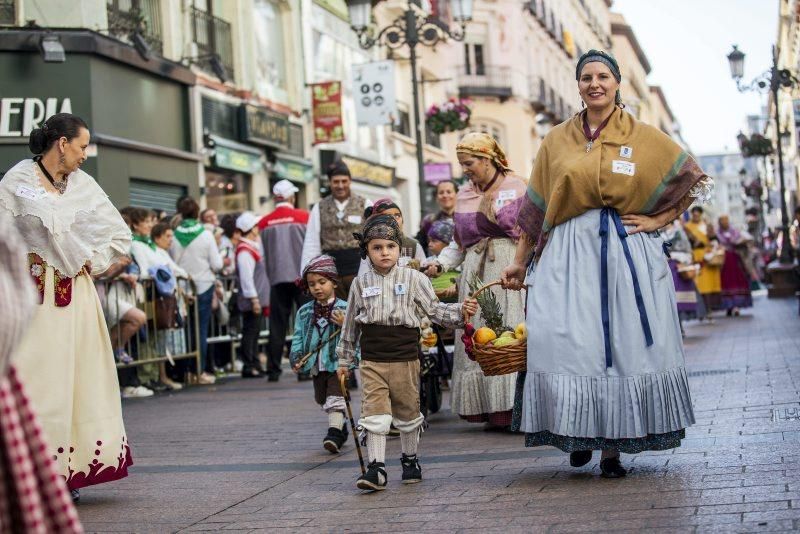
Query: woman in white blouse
71, 231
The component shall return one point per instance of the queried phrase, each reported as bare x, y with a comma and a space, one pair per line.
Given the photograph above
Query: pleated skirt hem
608, 407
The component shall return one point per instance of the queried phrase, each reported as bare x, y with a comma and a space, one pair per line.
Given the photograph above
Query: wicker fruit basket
496, 360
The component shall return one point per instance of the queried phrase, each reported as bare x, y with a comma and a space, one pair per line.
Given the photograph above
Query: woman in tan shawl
605, 358
485, 239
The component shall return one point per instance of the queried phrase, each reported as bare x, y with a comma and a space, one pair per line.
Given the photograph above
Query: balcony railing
128, 16
537, 93
492, 81
212, 36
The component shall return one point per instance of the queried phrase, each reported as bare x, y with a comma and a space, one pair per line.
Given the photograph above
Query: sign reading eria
18, 116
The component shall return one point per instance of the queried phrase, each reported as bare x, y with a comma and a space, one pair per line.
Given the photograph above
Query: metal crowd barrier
230, 332
151, 345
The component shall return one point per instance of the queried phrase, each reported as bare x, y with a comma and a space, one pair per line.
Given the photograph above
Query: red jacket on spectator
282, 234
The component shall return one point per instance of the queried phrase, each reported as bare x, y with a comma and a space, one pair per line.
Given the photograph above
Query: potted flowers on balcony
450, 116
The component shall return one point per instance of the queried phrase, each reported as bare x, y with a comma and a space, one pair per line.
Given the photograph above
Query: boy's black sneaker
412, 472
335, 439
375, 478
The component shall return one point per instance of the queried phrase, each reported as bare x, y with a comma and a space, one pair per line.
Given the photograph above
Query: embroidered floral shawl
632, 167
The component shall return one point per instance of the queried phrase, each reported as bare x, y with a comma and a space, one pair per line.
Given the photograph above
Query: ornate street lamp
410, 29
772, 81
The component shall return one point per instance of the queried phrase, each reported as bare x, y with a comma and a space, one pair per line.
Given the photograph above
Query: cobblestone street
246, 456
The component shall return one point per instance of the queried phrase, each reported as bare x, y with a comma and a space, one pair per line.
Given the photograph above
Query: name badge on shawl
30, 193
623, 167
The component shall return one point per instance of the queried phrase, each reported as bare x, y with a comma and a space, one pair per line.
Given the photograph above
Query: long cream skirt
67, 365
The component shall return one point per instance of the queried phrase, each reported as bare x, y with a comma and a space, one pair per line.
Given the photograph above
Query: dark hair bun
58, 126
37, 142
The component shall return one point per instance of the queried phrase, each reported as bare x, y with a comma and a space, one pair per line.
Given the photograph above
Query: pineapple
490, 308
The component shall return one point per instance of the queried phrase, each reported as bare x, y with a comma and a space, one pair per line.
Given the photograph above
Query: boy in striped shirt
384, 311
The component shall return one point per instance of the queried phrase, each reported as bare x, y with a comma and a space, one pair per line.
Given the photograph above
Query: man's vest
336, 232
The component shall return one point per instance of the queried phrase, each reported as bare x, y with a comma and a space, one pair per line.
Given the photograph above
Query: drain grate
712, 372
780, 415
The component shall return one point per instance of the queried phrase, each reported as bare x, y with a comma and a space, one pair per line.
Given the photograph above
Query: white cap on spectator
284, 189
246, 221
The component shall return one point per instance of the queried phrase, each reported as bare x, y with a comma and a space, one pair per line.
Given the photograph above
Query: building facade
788, 49
200, 97
211, 97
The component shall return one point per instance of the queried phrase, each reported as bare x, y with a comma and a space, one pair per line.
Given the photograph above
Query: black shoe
250, 373
273, 378
375, 478
76, 495
612, 468
580, 458
335, 439
412, 472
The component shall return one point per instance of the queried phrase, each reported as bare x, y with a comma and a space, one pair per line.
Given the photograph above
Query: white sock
609, 453
376, 447
409, 442
336, 420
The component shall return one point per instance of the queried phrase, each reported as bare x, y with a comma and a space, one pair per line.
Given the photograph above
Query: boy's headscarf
442, 230
380, 205
378, 227
322, 265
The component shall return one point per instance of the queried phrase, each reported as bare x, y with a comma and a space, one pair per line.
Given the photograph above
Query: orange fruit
484, 335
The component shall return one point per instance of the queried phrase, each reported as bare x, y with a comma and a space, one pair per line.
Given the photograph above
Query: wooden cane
302, 361
346, 395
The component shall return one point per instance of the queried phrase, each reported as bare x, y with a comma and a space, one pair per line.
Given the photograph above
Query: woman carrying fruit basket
605, 362
486, 234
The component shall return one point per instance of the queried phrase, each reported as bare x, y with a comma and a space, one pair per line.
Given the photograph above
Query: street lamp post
773, 81
782, 272
412, 28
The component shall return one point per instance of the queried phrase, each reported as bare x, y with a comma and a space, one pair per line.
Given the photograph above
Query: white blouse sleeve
451, 256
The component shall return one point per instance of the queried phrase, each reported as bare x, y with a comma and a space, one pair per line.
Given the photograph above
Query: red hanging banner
326, 108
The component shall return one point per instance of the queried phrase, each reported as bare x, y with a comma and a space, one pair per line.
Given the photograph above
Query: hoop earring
62, 159
583, 104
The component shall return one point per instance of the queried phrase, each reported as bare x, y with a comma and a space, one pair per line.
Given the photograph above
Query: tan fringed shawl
632, 167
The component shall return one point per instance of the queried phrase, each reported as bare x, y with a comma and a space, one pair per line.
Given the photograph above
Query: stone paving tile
245, 456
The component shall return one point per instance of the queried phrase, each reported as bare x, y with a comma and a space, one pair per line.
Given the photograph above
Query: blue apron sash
637, 290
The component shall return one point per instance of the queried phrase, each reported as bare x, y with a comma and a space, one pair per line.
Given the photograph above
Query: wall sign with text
264, 126
18, 115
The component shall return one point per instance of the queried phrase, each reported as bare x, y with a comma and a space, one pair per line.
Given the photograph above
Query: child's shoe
375, 478
412, 472
335, 439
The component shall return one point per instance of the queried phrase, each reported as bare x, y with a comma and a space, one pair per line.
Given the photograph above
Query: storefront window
270, 64
227, 192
